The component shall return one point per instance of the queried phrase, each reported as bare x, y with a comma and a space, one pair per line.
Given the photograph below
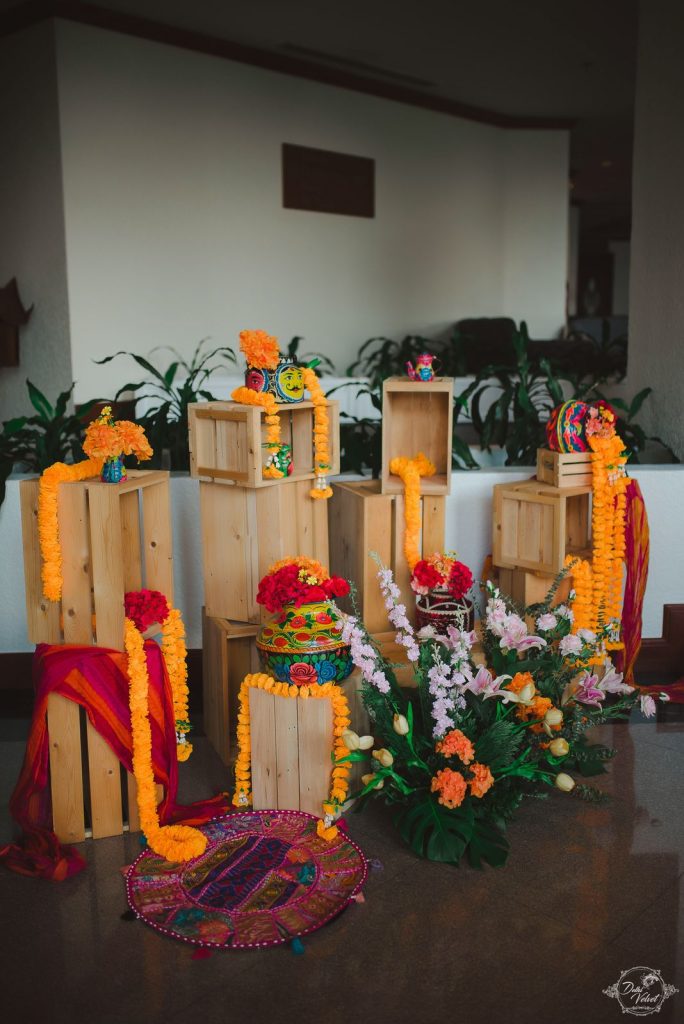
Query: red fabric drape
637, 549
97, 679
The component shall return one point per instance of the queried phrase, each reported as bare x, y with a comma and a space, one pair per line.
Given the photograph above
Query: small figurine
279, 456
423, 369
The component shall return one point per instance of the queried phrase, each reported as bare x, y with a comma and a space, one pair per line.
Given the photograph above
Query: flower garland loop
266, 401
174, 842
322, 464
410, 472
48, 519
339, 786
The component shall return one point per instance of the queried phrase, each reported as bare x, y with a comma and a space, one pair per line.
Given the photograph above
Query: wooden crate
564, 469
361, 520
93, 796
226, 441
291, 743
528, 588
114, 538
229, 653
244, 531
417, 417
536, 525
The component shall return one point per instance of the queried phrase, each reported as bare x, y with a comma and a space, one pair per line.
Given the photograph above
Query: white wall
31, 215
468, 531
656, 312
175, 228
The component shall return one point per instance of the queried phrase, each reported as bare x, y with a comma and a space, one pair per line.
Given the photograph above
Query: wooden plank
74, 532
66, 774
42, 616
105, 786
263, 743
137, 478
157, 541
107, 563
315, 729
287, 752
434, 523
302, 442
236, 476
417, 417
214, 672
131, 540
229, 552
402, 573
133, 812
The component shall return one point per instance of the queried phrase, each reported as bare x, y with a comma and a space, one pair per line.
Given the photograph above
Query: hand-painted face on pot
256, 380
290, 383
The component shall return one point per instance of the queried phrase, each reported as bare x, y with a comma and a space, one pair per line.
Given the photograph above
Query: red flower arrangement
298, 581
444, 572
146, 607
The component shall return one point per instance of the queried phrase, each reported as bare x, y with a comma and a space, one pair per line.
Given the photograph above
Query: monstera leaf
435, 832
488, 844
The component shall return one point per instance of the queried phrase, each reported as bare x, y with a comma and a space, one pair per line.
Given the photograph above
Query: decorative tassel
359, 898
297, 946
129, 915
201, 954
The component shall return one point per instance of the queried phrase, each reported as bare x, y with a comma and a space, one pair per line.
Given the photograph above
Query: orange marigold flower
537, 709
102, 441
260, 349
451, 787
455, 742
482, 780
519, 681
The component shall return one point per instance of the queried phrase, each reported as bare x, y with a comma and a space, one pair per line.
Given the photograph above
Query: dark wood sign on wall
325, 182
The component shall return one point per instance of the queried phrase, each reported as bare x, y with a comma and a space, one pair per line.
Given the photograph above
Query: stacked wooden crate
367, 517
247, 524
113, 538
538, 523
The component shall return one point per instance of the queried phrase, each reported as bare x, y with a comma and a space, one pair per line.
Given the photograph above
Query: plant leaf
39, 402
434, 831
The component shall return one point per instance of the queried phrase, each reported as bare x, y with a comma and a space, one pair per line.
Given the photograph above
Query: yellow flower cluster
341, 721
174, 842
48, 519
410, 471
264, 399
321, 431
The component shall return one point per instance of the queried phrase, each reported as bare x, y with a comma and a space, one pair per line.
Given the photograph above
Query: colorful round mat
264, 878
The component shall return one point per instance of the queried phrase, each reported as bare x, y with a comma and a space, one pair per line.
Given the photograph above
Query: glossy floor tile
588, 892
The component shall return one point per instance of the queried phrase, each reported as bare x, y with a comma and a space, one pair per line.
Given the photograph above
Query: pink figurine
423, 369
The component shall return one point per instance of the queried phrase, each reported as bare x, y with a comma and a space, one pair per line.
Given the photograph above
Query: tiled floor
587, 892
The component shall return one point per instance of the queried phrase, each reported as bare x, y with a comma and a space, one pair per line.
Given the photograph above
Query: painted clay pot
285, 383
113, 471
303, 645
565, 429
439, 609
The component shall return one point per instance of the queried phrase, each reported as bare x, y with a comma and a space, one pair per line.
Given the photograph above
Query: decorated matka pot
565, 429
285, 382
304, 645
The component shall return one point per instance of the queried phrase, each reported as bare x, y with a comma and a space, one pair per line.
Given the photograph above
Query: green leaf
638, 401
434, 831
39, 402
62, 401
488, 843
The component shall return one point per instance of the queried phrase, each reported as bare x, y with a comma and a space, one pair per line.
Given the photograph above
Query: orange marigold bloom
260, 349
455, 742
133, 441
102, 441
482, 780
451, 787
537, 709
519, 681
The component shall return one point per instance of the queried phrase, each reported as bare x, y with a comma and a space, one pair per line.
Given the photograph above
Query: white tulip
400, 725
366, 742
559, 747
526, 695
351, 740
564, 782
554, 716
366, 779
384, 757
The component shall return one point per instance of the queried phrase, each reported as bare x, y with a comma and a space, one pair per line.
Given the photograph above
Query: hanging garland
264, 399
48, 519
322, 463
341, 721
173, 842
410, 472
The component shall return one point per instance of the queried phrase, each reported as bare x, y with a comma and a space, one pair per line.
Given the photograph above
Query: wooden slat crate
564, 469
229, 653
361, 520
417, 417
291, 742
536, 525
528, 588
114, 538
226, 441
244, 531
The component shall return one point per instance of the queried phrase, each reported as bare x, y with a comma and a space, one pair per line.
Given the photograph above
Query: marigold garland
174, 842
410, 472
175, 655
339, 787
48, 519
264, 399
322, 464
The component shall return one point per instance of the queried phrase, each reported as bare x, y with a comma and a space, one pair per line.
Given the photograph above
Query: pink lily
589, 691
484, 685
515, 636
